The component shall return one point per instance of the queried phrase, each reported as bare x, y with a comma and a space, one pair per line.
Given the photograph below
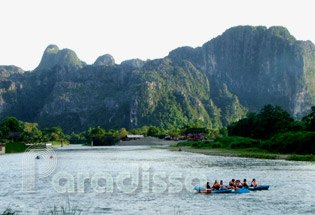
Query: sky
127, 29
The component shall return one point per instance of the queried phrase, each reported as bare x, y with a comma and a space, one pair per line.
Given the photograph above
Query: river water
164, 186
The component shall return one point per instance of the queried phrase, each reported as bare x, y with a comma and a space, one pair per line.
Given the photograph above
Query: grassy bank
13, 147
301, 158
58, 143
248, 153
242, 147
17, 147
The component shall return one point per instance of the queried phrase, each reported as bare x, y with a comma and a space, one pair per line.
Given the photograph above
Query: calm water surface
292, 183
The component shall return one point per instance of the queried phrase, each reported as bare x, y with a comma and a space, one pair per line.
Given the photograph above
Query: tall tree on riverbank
153, 131
271, 120
10, 124
122, 133
309, 120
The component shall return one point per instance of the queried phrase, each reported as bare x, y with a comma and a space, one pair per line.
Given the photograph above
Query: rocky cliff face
262, 66
65, 57
105, 60
242, 70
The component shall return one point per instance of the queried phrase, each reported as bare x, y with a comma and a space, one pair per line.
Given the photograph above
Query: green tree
10, 124
309, 120
97, 132
28, 127
112, 132
174, 132
54, 133
223, 132
75, 136
246, 127
122, 133
143, 130
37, 134
195, 124
136, 131
153, 131
271, 120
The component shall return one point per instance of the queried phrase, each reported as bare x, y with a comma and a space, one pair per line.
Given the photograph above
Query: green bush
4, 141
235, 142
180, 144
105, 141
301, 158
15, 147
301, 142
201, 144
216, 145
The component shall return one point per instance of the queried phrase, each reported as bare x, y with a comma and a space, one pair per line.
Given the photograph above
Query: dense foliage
274, 130
10, 124
302, 142
269, 121
309, 120
13, 147
271, 130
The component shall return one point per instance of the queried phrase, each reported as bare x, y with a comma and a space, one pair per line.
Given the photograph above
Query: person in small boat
222, 187
216, 185
238, 184
232, 183
254, 183
208, 186
244, 184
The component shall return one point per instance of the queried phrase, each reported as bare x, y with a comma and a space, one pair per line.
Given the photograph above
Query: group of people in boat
233, 184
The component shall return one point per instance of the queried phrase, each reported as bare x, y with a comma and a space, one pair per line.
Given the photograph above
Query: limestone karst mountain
241, 70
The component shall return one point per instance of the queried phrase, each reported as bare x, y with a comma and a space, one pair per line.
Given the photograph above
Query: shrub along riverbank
301, 143
272, 130
13, 147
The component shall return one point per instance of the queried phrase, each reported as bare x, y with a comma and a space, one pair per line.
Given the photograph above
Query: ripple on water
291, 190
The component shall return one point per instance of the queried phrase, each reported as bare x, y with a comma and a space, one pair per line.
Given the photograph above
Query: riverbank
229, 153
147, 141
246, 153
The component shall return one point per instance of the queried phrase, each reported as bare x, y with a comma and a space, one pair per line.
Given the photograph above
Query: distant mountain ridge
239, 71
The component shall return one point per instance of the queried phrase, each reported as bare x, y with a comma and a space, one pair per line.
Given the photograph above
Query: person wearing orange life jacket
254, 183
216, 185
244, 184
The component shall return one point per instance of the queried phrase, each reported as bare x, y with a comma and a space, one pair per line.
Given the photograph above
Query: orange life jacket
216, 185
